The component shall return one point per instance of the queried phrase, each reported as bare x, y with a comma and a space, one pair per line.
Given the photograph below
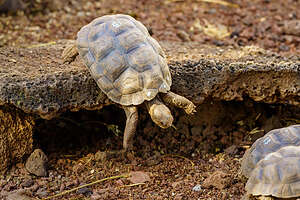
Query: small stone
154, 160
27, 182
184, 36
197, 188
284, 47
101, 156
218, 179
138, 177
85, 191
37, 163
18, 196
42, 192
292, 27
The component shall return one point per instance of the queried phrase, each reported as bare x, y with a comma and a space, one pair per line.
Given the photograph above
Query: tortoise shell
269, 143
278, 174
273, 164
128, 64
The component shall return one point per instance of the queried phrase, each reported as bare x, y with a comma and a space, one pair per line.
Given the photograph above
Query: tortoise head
161, 115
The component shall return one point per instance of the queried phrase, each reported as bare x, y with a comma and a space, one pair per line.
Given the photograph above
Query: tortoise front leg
179, 101
70, 52
131, 124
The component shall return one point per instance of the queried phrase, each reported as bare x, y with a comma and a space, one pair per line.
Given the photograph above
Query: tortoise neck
154, 101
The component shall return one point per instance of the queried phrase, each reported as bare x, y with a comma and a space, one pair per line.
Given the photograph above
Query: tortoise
129, 66
272, 164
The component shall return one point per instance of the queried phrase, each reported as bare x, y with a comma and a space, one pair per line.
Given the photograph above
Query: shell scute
153, 74
96, 33
102, 47
119, 26
142, 57
131, 40
105, 84
113, 65
128, 82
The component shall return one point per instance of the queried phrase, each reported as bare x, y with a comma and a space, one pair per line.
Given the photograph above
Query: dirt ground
199, 160
269, 24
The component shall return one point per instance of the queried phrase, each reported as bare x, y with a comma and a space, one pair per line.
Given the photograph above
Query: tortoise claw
190, 109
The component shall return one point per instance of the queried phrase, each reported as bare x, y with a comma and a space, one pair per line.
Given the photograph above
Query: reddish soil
270, 24
173, 164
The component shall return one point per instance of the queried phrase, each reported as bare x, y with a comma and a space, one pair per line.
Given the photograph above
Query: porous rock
16, 130
34, 80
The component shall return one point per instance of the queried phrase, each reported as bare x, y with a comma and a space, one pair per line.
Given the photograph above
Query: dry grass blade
293, 121
86, 185
131, 185
255, 130
174, 127
224, 3
217, 31
41, 45
179, 156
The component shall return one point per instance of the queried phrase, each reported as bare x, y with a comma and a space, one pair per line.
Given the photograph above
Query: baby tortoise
272, 164
130, 67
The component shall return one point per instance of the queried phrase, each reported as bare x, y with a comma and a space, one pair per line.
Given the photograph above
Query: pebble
37, 162
85, 191
218, 179
184, 36
42, 192
292, 27
197, 188
139, 177
284, 47
18, 196
27, 182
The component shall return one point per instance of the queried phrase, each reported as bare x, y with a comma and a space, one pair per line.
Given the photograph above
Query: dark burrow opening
216, 126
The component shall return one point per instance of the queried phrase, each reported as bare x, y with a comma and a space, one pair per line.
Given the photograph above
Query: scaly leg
179, 101
131, 124
70, 52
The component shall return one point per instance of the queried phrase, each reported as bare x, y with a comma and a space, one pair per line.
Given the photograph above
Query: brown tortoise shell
273, 164
128, 65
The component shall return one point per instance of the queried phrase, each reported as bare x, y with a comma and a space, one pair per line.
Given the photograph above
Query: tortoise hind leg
69, 54
179, 101
131, 124
130, 128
